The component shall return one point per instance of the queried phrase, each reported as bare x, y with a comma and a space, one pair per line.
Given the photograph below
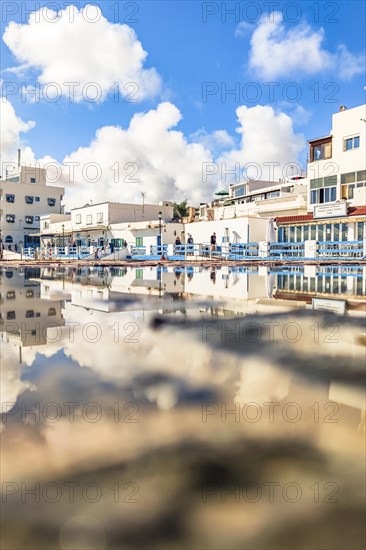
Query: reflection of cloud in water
124, 359
11, 385
260, 382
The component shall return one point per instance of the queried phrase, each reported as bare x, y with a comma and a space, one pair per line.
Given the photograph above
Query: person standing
213, 241
178, 244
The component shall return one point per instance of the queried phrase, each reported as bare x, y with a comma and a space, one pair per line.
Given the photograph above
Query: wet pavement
183, 407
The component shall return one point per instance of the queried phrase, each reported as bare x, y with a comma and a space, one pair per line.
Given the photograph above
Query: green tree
181, 209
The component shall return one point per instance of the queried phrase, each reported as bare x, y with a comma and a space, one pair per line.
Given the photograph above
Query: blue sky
194, 48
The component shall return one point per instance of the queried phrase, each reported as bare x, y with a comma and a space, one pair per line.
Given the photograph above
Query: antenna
143, 195
19, 153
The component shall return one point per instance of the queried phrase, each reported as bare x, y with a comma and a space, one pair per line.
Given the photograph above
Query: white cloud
349, 65
214, 141
243, 28
11, 128
276, 52
150, 156
267, 137
66, 47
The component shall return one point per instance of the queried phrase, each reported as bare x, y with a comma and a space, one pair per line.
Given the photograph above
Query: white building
337, 186
337, 162
24, 197
259, 198
94, 225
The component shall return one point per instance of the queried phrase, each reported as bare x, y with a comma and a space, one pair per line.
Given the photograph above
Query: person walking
190, 245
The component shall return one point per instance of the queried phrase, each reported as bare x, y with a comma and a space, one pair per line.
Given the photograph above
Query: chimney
18, 158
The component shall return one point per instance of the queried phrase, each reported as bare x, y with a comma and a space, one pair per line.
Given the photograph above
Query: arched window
8, 239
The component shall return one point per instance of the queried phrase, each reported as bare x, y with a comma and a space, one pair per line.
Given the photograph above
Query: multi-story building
94, 225
24, 197
258, 198
337, 184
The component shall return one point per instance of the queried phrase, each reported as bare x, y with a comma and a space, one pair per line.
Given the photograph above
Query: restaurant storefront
350, 227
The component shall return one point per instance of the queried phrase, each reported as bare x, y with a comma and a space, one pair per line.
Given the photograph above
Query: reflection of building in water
103, 288
228, 283
25, 318
303, 283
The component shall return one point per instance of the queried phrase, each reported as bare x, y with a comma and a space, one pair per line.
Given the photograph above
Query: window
321, 150
361, 176
350, 177
13, 180
78, 218
33, 180
89, 219
323, 195
10, 295
28, 199
36, 199
29, 219
240, 191
36, 218
139, 241
8, 239
29, 294
10, 218
10, 316
351, 143
336, 232
51, 312
46, 225
51, 202
10, 198
360, 230
100, 217
29, 314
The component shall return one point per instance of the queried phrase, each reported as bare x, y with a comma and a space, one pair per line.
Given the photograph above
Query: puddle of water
183, 408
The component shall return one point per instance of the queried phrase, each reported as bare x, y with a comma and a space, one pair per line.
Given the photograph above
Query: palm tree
181, 209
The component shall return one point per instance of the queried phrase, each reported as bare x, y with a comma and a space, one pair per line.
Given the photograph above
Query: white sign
335, 306
333, 210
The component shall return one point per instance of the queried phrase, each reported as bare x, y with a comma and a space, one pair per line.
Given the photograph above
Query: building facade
24, 197
337, 185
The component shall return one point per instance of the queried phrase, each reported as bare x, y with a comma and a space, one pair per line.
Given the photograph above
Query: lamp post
63, 236
160, 215
21, 249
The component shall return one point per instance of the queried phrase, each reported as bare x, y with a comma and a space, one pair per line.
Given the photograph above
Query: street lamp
21, 249
63, 235
160, 215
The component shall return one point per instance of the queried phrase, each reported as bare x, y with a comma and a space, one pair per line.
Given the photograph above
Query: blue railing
340, 249
241, 251
280, 251
323, 250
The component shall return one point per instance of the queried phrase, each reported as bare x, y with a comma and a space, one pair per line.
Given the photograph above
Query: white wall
21, 209
241, 230
345, 124
112, 212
